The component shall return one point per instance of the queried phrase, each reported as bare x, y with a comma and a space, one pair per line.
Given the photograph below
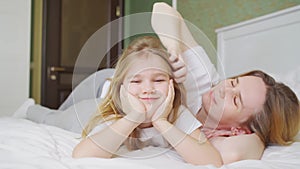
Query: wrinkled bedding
25, 144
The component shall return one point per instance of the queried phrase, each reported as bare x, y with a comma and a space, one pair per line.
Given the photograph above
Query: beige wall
15, 19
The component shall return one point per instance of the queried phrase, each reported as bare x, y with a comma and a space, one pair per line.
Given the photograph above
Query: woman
242, 115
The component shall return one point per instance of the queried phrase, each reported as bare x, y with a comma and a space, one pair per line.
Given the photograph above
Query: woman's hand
165, 108
179, 68
132, 106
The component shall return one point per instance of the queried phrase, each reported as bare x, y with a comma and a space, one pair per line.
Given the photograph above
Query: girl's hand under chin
134, 109
165, 108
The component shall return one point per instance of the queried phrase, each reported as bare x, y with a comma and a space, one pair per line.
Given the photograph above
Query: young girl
143, 107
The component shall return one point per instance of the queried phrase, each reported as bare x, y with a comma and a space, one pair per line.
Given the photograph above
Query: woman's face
233, 101
148, 80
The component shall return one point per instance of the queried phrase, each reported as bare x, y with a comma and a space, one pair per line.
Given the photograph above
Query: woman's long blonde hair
111, 109
279, 120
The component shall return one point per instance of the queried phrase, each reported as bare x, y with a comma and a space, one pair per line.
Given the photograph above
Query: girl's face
233, 101
148, 80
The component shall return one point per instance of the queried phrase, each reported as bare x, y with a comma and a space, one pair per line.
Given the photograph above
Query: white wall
15, 20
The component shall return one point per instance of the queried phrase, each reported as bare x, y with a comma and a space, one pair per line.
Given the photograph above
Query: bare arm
191, 65
192, 149
174, 35
106, 142
240, 147
169, 25
220, 151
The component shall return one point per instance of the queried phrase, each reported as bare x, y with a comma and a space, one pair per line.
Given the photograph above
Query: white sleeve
201, 74
186, 121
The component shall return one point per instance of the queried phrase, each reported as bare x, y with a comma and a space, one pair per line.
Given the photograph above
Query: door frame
51, 43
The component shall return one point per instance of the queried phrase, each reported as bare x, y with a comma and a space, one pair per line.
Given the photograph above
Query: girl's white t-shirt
186, 122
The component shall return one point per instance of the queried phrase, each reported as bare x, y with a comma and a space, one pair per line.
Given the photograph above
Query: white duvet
25, 144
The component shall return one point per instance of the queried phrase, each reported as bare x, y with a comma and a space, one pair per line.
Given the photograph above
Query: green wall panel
138, 6
209, 15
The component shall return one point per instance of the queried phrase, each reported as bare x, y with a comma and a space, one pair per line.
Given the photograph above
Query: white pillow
89, 88
74, 118
105, 89
291, 79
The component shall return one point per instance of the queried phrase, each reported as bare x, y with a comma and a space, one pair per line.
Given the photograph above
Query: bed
27, 144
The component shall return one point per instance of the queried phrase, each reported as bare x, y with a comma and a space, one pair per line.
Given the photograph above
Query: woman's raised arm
189, 60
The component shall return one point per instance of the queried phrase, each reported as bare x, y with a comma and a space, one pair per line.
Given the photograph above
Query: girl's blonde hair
111, 109
279, 120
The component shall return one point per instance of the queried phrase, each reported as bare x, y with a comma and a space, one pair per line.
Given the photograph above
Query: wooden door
67, 25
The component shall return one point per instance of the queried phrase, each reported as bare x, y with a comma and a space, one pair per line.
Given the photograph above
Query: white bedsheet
25, 144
